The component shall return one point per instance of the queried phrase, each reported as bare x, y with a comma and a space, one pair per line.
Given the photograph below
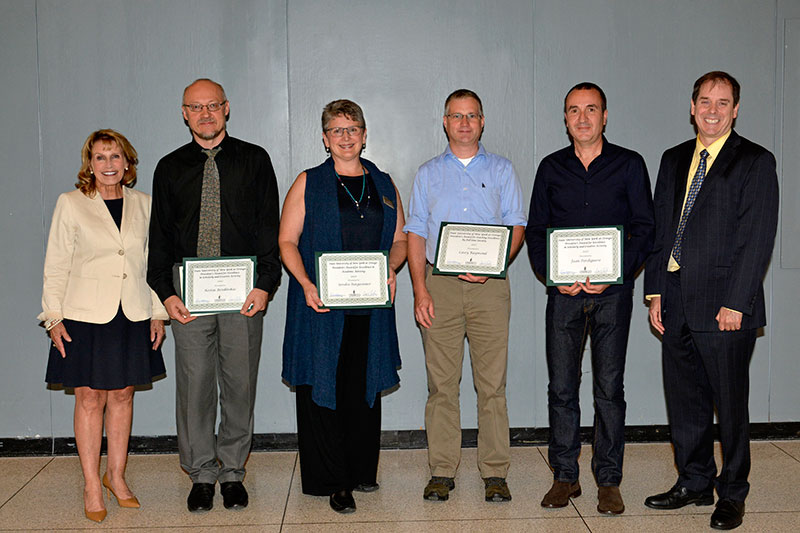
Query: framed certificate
478, 249
214, 285
353, 280
574, 254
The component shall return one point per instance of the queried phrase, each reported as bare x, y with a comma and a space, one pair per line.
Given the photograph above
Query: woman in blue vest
339, 360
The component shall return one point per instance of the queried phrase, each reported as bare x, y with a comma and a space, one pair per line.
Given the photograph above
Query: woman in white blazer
106, 324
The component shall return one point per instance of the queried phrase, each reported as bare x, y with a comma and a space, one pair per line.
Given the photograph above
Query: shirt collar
222, 143
481, 151
604, 151
715, 147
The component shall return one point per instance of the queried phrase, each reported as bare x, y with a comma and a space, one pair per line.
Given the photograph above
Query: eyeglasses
339, 132
459, 116
212, 106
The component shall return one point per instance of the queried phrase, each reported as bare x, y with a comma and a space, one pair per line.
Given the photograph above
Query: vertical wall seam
777, 143
288, 100
41, 177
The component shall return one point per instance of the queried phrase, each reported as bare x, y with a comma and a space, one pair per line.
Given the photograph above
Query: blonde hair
86, 182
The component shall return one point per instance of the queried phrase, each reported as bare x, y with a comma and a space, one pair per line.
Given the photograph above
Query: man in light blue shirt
464, 184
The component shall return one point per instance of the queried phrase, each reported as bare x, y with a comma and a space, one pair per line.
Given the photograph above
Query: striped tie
694, 188
208, 228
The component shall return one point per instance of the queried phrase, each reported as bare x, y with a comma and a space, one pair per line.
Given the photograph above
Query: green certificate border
212, 309
323, 258
502, 257
618, 240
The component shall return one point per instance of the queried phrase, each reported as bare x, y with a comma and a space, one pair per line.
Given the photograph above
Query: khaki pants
481, 313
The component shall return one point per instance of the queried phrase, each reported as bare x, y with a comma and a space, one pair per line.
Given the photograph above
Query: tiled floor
44, 494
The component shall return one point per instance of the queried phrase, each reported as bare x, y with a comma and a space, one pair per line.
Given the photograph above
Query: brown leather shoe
609, 500
438, 488
496, 489
560, 493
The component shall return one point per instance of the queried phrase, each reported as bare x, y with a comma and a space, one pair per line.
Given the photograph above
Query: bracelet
50, 324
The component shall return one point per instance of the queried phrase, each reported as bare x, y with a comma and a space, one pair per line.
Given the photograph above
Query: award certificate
574, 254
217, 284
478, 249
351, 280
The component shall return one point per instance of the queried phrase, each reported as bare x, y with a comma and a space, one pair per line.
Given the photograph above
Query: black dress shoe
727, 515
343, 502
678, 497
234, 495
366, 487
201, 497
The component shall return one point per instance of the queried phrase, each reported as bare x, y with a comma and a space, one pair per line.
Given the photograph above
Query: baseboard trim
390, 440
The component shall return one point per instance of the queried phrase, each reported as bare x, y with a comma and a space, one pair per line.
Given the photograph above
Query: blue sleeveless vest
312, 340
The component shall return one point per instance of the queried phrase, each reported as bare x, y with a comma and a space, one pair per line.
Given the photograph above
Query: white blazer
91, 266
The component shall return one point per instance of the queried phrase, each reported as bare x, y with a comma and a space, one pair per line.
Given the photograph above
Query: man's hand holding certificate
588, 256
477, 250
217, 285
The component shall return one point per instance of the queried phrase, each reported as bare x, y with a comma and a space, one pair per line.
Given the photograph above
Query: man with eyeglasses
215, 196
470, 185
591, 182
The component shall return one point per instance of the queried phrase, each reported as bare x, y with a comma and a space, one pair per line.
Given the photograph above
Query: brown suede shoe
560, 493
609, 500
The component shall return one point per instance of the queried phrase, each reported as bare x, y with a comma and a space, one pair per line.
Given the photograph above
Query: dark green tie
208, 228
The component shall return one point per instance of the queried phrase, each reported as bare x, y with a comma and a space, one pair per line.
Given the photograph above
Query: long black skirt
105, 356
339, 448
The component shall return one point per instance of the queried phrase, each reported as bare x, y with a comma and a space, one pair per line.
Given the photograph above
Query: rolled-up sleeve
511, 202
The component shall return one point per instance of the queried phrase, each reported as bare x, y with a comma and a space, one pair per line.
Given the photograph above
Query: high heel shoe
131, 503
95, 516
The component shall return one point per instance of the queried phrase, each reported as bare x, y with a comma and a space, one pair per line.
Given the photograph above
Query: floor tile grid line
434, 521
787, 452
26, 483
295, 466
571, 500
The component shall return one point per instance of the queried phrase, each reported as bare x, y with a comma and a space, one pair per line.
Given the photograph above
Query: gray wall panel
123, 64
646, 55
785, 363
399, 63
24, 403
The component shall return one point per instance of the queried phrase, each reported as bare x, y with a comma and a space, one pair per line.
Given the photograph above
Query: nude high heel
131, 503
95, 516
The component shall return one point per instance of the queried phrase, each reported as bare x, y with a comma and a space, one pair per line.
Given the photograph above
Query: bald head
207, 84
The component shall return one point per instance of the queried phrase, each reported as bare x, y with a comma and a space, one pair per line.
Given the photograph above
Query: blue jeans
606, 319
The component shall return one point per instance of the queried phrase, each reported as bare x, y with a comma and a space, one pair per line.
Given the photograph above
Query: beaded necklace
356, 203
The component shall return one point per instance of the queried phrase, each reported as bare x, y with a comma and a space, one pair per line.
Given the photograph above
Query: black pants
339, 448
704, 370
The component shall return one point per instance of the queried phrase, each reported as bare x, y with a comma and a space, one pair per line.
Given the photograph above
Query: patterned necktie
694, 188
208, 228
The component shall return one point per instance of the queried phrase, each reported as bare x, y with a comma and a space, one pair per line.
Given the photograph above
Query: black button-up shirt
615, 190
249, 211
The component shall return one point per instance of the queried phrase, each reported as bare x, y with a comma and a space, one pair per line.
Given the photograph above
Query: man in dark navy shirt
589, 183
216, 196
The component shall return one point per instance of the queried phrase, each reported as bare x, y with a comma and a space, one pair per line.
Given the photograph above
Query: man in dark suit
716, 205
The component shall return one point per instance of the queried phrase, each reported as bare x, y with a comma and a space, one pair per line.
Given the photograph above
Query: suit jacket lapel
718, 169
682, 174
105, 216
127, 210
